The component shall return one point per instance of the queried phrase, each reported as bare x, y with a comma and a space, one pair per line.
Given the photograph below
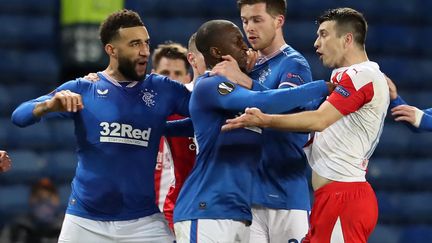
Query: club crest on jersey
342, 91
148, 97
263, 75
225, 88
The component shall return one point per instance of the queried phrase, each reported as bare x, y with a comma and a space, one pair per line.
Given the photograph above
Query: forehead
137, 32
328, 26
251, 10
171, 64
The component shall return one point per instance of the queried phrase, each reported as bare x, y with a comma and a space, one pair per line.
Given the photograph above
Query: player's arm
62, 102
220, 93
179, 128
416, 119
344, 100
180, 97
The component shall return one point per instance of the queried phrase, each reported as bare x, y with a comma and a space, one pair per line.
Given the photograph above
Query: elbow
17, 119
320, 126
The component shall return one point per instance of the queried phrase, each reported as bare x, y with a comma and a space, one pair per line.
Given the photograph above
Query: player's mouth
142, 65
320, 55
252, 39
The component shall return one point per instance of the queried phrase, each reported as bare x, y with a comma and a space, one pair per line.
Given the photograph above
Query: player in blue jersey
281, 202
214, 203
419, 120
118, 124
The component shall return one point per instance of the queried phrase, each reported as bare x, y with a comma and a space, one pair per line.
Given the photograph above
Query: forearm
396, 102
307, 121
23, 115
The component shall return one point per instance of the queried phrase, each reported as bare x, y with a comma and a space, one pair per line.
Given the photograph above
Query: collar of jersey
115, 82
263, 59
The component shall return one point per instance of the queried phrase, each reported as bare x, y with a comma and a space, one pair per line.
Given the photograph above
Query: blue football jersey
281, 181
220, 184
118, 134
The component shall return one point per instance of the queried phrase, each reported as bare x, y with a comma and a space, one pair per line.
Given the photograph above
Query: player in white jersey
348, 125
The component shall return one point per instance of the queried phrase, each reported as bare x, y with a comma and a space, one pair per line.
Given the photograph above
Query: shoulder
160, 80
293, 57
213, 84
362, 74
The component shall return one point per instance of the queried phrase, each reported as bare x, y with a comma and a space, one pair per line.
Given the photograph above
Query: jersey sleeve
23, 114
397, 102
426, 121
217, 92
353, 91
181, 97
295, 73
179, 128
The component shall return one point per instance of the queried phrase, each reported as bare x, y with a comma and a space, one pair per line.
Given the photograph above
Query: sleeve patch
225, 88
342, 91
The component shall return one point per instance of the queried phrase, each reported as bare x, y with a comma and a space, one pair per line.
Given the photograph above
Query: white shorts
211, 230
278, 225
152, 229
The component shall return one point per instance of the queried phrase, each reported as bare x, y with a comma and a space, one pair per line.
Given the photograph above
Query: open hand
230, 69
253, 117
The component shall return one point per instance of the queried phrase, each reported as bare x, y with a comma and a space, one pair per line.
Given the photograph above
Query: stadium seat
40, 67
27, 167
301, 35
27, 31
37, 136
385, 234
417, 234
14, 199
63, 132
61, 165
409, 173
64, 193
31, 7
409, 207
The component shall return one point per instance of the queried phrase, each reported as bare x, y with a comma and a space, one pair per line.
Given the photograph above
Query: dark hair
273, 7
125, 18
43, 184
170, 50
347, 20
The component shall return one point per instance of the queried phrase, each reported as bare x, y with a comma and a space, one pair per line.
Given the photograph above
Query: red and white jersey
164, 172
341, 152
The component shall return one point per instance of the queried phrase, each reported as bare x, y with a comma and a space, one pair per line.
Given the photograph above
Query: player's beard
127, 68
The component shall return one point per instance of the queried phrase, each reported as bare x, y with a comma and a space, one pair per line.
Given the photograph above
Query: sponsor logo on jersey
225, 88
102, 93
148, 96
202, 205
342, 91
123, 133
294, 78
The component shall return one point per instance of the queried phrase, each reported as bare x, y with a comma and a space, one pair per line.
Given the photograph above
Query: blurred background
46, 42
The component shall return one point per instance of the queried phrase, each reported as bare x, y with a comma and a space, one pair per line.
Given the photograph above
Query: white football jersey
341, 152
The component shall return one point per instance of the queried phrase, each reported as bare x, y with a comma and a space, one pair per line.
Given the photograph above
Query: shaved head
213, 47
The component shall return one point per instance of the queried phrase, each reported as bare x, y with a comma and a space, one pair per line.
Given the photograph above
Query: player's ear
280, 20
110, 50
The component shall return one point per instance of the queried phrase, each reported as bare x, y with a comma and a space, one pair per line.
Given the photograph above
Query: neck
276, 44
354, 57
112, 70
